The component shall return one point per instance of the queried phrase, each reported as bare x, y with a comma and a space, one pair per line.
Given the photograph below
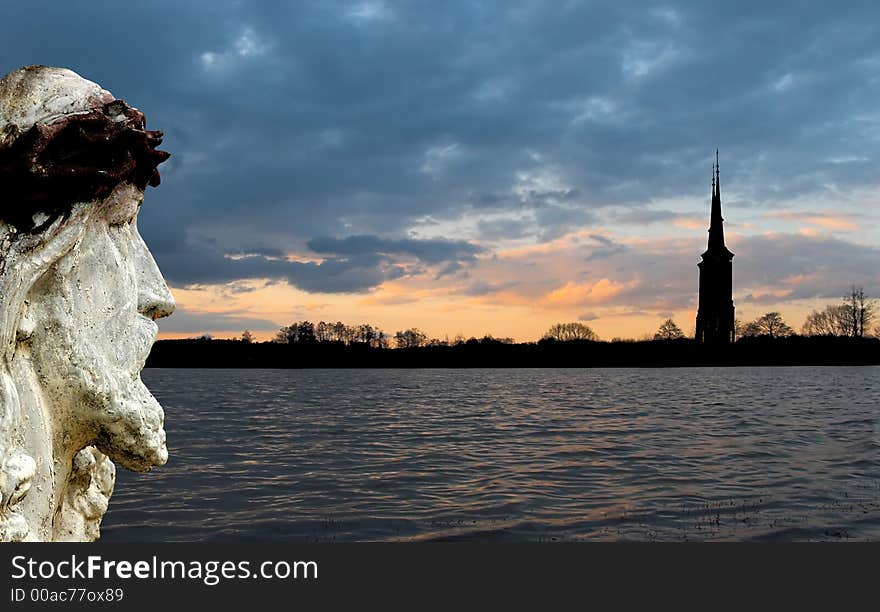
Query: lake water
522, 455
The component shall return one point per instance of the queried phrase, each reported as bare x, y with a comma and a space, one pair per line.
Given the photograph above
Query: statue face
79, 296
92, 317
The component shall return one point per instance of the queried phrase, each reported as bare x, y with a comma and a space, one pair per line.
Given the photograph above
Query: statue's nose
154, 298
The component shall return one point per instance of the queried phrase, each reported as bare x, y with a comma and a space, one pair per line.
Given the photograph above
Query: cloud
796, 266
369, 11
827, 220
428, 251
645, 216
247, 44
294, 122
607, 248
482, 288
660, 275
332, 275
504, 228
352, 264
188, 321
578, 294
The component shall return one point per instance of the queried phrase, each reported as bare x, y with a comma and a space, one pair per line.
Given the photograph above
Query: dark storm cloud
428, 251
332, 275
293, 121
353, 264
261, 251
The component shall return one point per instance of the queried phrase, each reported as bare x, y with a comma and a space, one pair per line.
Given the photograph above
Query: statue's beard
129, 422
99, 392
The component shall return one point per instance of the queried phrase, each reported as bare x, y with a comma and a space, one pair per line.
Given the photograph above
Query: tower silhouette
715, 311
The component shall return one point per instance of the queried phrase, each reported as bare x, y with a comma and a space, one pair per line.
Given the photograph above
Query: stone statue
79, 296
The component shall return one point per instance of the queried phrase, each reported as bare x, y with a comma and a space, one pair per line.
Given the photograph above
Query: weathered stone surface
79, 296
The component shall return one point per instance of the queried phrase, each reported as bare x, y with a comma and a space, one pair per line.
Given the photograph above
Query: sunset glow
481, 168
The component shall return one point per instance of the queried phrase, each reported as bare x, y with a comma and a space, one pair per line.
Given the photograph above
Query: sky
488, 167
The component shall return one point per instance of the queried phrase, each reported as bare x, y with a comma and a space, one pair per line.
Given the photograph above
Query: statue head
79, 296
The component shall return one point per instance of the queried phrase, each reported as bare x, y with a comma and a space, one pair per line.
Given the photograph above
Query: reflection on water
607, 454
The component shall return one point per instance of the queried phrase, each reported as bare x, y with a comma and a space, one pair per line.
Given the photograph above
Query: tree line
306, 332
852, 317
365, 334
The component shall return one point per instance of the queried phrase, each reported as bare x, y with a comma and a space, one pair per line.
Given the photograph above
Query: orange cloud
810, 232
575, 294
799, 279
691, 223
831, 221
563, 243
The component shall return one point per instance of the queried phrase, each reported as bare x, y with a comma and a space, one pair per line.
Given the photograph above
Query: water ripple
532, 454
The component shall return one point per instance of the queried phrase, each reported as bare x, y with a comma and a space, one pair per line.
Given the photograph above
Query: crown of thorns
77, 157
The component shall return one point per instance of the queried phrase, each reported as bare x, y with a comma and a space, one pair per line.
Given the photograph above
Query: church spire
715, 313
716, 225
713, 181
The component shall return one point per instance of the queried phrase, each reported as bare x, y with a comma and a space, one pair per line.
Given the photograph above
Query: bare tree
564, 332
410, 338
749, 330
834, 320
338, 332
283, 335
296, 333
382, 339
853, 317
305, 332
770, 324
321, 332
668, 331
860, 311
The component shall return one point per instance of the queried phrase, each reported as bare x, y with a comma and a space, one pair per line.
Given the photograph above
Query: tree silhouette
860, 311
305, 332
853, 316
834, 320
564, 332
410, 338
247, 336
668, 331
770, 324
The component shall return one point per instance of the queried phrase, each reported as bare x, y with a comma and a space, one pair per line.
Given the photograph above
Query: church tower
715, 311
